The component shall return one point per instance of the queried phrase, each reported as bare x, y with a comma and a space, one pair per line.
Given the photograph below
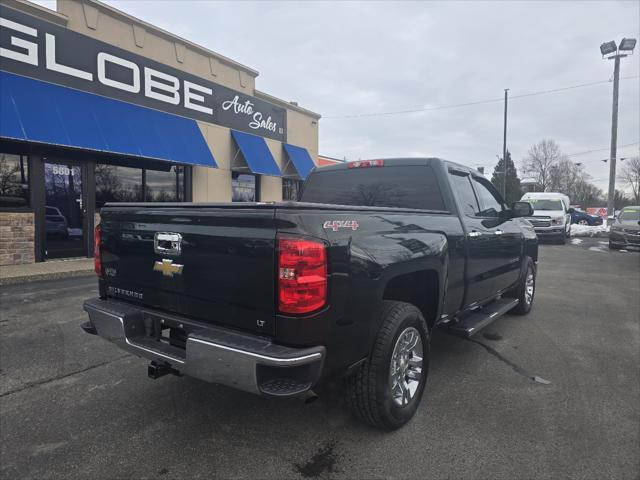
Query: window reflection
399, 186
243, 187
117, 184
291, 189
165, 186
14, 180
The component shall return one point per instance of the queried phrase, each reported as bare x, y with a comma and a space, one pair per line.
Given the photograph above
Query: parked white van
551, 217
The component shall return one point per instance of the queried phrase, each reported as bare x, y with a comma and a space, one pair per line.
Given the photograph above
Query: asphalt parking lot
74, 406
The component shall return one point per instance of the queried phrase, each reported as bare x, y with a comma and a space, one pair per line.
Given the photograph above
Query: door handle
498, 232
474, 234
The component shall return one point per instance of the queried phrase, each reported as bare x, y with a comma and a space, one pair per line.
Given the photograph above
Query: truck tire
562, 239
525, 290
375, 393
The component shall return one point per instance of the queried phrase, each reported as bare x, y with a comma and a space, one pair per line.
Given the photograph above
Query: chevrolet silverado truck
275, 298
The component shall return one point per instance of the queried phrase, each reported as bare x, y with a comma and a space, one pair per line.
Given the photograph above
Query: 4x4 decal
337, 224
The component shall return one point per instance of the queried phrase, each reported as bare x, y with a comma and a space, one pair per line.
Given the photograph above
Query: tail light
302, 275
366, 164
97, 258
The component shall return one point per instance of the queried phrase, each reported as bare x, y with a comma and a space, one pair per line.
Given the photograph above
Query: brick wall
16, 238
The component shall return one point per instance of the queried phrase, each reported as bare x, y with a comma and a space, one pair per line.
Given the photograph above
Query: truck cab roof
400, 161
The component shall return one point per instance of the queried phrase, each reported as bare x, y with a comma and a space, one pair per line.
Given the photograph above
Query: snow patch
588, 231
597, 249
576, 241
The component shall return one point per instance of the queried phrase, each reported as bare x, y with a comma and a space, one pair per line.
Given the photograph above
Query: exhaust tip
309, 397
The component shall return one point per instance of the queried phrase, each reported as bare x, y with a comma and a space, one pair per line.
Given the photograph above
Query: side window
490, 203
462, 187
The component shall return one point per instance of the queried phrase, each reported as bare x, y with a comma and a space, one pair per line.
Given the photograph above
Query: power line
599, 150
468, 104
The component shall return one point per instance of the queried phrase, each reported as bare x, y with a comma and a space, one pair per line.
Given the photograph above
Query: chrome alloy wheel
406, 366
528, 287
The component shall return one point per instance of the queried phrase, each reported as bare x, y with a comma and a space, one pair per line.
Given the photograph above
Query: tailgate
224, 270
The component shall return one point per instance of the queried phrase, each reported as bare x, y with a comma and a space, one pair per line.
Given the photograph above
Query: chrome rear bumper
246, 362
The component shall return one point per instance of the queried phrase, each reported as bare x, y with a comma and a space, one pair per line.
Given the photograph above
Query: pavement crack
516, 368
60, 377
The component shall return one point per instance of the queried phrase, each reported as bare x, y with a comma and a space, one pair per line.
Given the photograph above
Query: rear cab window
399, 186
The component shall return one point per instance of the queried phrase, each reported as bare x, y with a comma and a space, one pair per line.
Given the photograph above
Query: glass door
64, 210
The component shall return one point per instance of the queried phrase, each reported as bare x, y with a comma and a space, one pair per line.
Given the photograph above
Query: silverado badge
168, 268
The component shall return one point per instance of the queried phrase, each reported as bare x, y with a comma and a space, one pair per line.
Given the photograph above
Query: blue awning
300, 158
42, 112
256, 153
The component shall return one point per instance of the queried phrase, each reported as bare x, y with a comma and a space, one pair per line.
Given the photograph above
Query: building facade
98, 106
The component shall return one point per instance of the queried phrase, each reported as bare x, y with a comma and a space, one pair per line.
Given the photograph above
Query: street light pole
610, 50
614, 139
504, 148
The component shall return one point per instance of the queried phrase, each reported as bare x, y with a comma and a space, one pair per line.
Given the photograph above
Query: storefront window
243, 187
291, 189
117, 184
14, 180
164, 186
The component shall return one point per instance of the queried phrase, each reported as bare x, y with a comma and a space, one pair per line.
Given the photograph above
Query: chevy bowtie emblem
168, 268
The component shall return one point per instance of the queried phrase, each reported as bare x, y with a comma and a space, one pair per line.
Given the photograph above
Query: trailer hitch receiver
156, 370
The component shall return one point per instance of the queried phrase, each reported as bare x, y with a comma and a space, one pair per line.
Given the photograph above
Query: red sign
601, 212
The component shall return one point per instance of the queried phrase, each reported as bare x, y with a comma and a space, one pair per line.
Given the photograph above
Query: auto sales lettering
247, 109
38, 49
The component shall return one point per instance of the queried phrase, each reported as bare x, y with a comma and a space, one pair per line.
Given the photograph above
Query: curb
36, 277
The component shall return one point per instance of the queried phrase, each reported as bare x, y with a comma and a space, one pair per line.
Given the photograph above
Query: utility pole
614, 139
504, 147
610, 50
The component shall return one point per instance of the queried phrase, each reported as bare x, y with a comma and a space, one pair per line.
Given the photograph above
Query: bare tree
540, 162
630, 176
564, 176
586, 194
8, 173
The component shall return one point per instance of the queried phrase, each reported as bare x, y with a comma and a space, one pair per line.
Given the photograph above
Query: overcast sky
368, 57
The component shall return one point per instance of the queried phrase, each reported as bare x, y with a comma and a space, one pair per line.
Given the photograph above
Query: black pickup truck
274, 298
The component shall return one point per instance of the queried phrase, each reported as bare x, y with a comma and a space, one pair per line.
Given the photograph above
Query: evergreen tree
513, 190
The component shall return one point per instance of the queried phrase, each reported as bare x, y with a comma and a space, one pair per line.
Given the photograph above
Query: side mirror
571, 210
521, 209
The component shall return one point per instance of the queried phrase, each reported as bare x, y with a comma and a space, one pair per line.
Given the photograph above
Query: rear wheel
526, 289
386, 389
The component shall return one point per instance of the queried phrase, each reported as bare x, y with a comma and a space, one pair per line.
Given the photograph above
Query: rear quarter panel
364, 255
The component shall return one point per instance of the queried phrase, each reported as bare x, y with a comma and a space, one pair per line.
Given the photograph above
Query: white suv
551, 217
